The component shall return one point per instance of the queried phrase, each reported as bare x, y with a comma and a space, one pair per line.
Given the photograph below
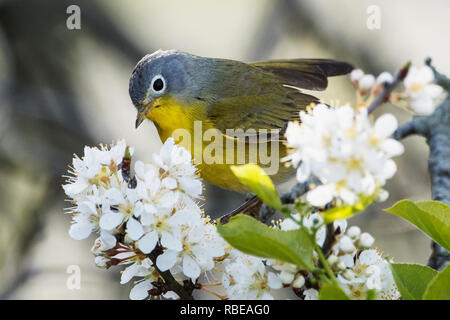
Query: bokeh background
61, 89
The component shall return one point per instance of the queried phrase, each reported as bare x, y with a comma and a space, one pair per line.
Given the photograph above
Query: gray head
157, 74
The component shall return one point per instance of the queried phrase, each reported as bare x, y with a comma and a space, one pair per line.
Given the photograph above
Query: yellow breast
175, 120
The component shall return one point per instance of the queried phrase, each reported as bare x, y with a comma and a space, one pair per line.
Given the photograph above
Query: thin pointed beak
142, 114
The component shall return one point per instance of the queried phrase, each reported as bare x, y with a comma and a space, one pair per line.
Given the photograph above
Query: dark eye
158, 84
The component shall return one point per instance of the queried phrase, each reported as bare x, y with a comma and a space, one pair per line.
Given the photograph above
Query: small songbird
176, 89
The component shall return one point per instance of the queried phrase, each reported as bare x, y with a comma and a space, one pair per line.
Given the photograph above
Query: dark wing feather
262, 95
305, 73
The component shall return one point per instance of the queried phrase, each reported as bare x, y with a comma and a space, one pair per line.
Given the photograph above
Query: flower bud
356, 75
346, 244
348, 274
332, 259
385, 77
97, 247
286, 277
382, 196
354, 232
101, 262
366, 240
341, 266
299, 281
367, 82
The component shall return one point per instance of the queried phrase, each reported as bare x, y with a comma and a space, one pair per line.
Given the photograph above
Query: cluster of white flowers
350, 156
291, 274
424, 95
156, 208
361, 268
149, 221
367, 83
358, 267
247, 277
421, 95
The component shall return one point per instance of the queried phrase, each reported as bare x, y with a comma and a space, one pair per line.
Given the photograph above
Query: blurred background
61, 89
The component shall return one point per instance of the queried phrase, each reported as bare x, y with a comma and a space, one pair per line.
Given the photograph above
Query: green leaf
256, 179
432, 217
253, 237
332, 291
439, 287
346, 211
371, 295
412, 279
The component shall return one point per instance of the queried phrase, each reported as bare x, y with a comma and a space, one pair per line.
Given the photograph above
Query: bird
177, 90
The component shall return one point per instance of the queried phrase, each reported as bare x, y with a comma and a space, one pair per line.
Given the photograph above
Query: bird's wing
308, 74
265, 95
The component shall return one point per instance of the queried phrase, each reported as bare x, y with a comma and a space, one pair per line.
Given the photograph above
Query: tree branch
184, 291
436, 129
289, 197
383, 96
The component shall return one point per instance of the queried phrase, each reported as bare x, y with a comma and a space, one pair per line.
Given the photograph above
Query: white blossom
356, 74
366, 240
299, 281
157, 209
350, 156
366, 82
311, 294
384, 77
369, 272
194, 249
421, 89
247, 278
354, 232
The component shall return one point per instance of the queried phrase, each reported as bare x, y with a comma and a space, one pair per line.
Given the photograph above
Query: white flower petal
369, 257
111, 220
171, 295
148, 242
81, 230
273, 281
170, 242
140, 291
391, 147
72, 189
134, 229
321, 195
385, 125
129, 273
108, 240
167, 260
190, 268
311, 294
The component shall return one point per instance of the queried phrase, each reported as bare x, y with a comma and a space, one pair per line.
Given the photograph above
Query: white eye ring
156, 85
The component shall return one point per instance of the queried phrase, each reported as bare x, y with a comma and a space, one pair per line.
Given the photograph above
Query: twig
329, 239
436, 129
250, 207
383, 96
440, 79
289, 197
406, 130
184, 291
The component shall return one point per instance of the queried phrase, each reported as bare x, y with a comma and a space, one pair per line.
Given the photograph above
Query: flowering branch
388, 87
436, 129
171, 284
147, 217
288, 197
